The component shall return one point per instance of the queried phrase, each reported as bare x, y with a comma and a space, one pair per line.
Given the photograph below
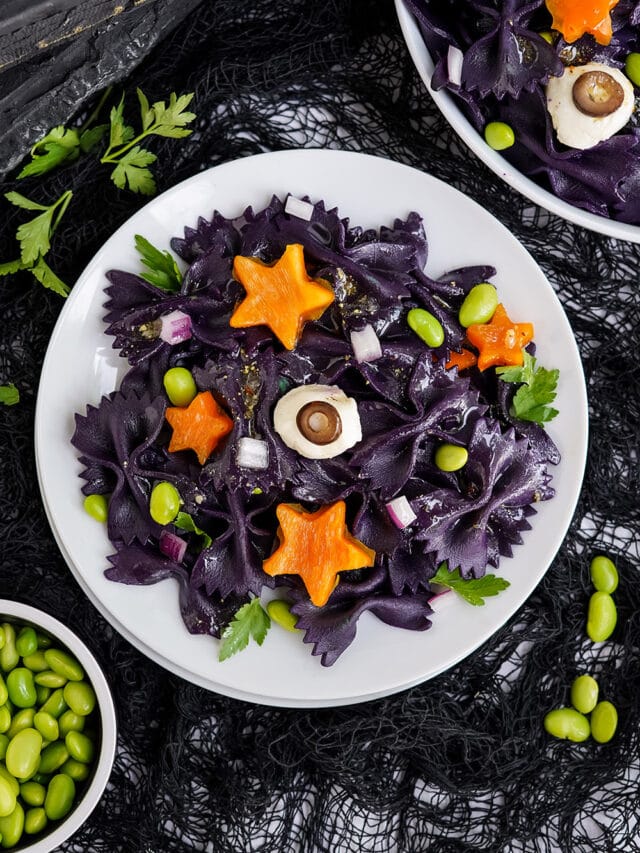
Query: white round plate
493, 159
80, 367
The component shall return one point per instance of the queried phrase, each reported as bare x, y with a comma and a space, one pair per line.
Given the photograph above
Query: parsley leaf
163, 269
251, 620
11, 267
90, 139
538, 389
473, 590
171, 120
46, 276
33, 237
9, 394
59, 145
119, 132
132, 169
183, 521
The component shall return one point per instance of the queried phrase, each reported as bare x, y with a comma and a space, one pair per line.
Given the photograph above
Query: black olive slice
319, 422
597, 93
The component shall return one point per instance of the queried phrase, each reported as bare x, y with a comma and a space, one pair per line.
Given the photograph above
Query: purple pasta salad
552, 84
311, 427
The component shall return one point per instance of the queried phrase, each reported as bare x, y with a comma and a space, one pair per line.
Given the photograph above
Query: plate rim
493, 159
211, 684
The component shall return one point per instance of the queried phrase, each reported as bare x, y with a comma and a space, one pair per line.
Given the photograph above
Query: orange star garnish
198, 426
280, 296
316, 546
461, 359
500, 342
574, 18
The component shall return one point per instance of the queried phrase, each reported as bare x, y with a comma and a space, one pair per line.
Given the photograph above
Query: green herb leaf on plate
473, 590
538, 389
183, 521
9, 394
163, 269
251, 620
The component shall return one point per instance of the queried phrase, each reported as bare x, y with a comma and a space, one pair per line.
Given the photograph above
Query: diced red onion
454, 65
400, 511
296, 207
173, 546
252, 453
366, 344
176, 327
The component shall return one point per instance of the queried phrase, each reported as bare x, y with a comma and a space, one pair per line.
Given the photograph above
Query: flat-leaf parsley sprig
537, 389
9, 394
473, 590
124, 150
250, 620
34, 237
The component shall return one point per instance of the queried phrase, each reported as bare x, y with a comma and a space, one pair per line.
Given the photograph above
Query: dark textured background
460, 763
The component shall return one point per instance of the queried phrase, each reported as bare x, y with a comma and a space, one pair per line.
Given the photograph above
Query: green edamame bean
1, 636
35, 820
80, 697
632, 68
22, 690
180, 386
584, 694
23, 753
164, 503
47, 725
79, 746
49, 678
61, 793
70, 722
604, 722
450, 457
42, 694
55, 704
41, 778
44, 641
5, 719
604, 575
20, 721
479, 305
64, 664
499, 135
9, 656
13, 782
76, 769
281, 614
36, 662
53, 757
568, 724
33, 793
97, 506
7, 798
4, 743
427, 327
12, 827
602, 617
27, 641
4, 693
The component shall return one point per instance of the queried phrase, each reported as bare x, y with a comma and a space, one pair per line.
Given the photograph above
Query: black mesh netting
461, 762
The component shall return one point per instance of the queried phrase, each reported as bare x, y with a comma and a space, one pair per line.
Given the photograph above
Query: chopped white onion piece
296, 207
366, 344
176, 327
173, 546
400, 512
252, 453
454, 65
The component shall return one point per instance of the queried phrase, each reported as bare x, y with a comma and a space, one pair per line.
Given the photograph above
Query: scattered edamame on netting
575, 723
47, 744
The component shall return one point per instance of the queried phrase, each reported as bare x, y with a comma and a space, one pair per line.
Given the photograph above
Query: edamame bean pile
48, 732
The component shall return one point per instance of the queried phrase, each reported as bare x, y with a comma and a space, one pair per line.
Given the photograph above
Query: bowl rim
494, 159
40, 619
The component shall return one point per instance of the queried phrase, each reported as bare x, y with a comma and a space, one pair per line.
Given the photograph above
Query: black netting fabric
460, 763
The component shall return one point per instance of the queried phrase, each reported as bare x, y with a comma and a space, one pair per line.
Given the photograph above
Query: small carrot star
500, 341
574, 18
316, 546
281, 296
198, 426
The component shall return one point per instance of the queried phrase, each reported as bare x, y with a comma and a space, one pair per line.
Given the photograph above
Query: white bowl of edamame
57, 730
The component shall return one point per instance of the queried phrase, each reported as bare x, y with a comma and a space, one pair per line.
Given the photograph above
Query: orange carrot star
198, 426
281, 296
500, 342
316, 546
574, 18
